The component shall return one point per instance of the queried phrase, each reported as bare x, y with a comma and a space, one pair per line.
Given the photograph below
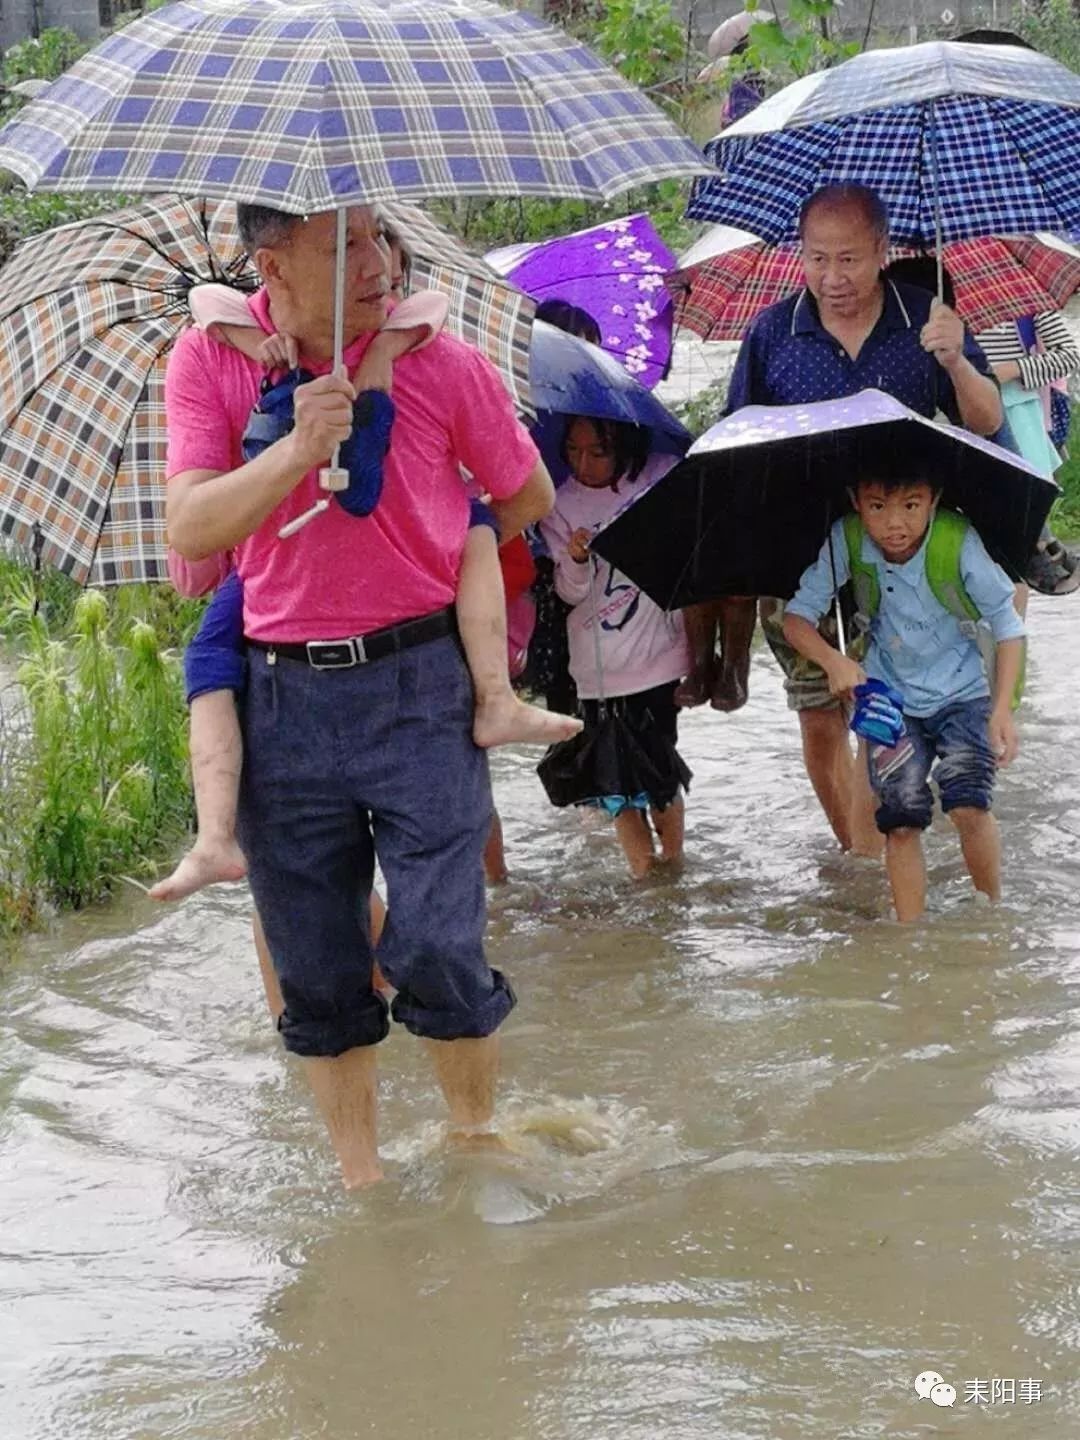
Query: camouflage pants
805, 683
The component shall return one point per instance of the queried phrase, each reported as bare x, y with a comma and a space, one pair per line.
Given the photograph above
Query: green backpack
947, 533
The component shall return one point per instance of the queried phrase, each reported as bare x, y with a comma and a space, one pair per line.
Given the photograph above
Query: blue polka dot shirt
789, 358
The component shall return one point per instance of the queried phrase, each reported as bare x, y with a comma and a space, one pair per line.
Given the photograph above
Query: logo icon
925, 1382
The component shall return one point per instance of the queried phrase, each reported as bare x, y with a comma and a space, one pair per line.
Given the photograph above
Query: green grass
1065, 520
93, 746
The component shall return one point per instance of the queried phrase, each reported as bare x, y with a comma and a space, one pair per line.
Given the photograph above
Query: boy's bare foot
204, 864
506, 720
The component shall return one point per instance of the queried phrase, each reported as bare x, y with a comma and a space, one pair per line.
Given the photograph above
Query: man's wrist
291, 458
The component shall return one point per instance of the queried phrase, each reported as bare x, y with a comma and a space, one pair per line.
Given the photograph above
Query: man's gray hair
844, 196
260, 226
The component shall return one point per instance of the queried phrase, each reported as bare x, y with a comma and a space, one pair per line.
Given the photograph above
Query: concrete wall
22, 18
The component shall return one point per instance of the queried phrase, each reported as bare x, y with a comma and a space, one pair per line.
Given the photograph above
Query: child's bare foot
505, 720
729, 689
690, 692
204, 864
672, 862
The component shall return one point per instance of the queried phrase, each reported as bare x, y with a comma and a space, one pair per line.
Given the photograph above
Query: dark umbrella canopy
750, 506
568, 376
614, 765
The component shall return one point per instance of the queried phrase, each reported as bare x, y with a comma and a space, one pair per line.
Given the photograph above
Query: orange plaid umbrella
996, 278
88, 315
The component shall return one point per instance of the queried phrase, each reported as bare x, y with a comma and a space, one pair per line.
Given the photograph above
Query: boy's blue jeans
956, 738
344, 766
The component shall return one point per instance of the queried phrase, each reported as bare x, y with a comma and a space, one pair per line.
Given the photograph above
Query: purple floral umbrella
615, 271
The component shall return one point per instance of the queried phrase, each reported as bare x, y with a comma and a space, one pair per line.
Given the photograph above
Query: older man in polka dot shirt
848, 330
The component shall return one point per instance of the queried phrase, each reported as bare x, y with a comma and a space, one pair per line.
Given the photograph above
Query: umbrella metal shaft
935, 181
334, 477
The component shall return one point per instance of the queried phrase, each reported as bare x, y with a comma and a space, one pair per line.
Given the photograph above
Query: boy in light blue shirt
921, 649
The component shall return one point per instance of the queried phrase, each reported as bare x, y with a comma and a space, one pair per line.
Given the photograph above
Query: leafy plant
780, 54
642, 38
95, 756
43, 57
1053, 26
705, 408
1065, 521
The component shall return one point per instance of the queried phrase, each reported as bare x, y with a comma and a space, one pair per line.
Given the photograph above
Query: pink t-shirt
341, 575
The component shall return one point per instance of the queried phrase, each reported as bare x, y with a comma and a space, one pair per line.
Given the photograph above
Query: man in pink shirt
357, 717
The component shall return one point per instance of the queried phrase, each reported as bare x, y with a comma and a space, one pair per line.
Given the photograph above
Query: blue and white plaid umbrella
959, 140
310, 105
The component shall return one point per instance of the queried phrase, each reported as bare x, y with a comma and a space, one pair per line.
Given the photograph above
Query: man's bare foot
729, 689
477, 1142
505, 720
204, 864
363, 1177
690, 692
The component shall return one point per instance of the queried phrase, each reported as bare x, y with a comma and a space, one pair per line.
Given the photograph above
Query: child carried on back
919, 645
215, 663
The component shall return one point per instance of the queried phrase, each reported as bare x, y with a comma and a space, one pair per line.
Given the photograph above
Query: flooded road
775, 1154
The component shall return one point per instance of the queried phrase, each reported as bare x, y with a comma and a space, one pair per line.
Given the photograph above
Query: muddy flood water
776, 1156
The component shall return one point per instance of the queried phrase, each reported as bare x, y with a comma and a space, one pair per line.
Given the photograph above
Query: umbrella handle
301, 520
596, 634
836, 592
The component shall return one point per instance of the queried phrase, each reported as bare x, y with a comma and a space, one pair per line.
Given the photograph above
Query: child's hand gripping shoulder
223, 313
273, 352
413, 324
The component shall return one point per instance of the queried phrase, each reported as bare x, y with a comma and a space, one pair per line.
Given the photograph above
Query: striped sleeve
1059, 358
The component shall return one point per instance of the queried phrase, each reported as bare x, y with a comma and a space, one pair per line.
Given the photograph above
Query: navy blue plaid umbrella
311, 105
958, 140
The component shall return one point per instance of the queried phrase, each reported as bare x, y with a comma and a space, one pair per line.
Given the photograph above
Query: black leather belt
362, 649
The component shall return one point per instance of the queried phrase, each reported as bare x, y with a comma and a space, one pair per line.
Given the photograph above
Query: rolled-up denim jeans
957, 739
341, 766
